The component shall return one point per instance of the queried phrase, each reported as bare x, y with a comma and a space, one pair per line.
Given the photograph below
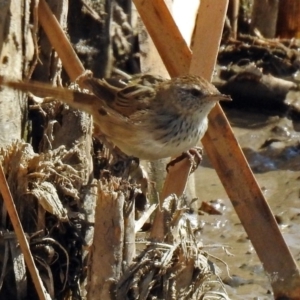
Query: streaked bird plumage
147, 116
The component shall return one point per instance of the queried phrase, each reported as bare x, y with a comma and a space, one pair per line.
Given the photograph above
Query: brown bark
16, 52
288, 24
60, 127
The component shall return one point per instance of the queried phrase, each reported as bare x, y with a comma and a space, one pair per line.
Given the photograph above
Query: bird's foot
194, 155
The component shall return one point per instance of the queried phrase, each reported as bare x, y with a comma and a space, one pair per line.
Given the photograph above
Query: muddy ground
271, 145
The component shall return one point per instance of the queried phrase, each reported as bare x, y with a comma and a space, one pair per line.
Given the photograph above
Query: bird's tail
76, 99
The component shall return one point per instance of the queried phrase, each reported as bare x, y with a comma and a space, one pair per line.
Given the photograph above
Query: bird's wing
126, 98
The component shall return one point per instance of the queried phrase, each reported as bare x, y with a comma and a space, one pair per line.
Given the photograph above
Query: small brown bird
147, 117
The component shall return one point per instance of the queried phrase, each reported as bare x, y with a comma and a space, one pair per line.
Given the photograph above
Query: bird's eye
195, 92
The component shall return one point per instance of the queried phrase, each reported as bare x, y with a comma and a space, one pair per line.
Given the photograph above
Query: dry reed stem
59, 41
228, 159
221, 145
14, 218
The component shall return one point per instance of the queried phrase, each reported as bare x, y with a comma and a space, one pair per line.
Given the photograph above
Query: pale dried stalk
14, 218
106, 255
59, 41
221, 145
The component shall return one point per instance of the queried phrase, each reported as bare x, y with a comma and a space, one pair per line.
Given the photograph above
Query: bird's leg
194, 155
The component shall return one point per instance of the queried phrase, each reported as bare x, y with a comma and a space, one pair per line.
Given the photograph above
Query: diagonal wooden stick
59, 41
220, 143
15, 221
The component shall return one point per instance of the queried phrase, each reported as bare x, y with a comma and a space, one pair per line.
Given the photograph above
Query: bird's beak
220, 97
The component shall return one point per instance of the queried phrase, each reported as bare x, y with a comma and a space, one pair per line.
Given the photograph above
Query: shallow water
271, 145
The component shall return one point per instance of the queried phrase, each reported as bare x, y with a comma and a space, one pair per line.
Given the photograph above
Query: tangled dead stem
46, 190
